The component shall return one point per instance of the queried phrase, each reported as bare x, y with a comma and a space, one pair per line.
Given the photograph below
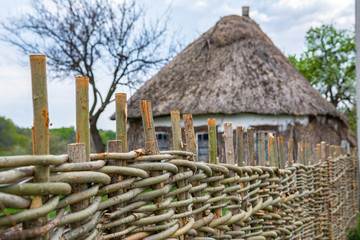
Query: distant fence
147, 194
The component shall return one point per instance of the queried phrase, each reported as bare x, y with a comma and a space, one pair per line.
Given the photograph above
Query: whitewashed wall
245, 120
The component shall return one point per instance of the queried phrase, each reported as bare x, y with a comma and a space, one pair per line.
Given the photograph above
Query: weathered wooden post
307, 153
229, 143
281, 152
323, 151
230, 159
40, 131
272, 148
80, 151
151, 147
212, 141
121, 121
82, 113
251, 147
178, 145
214, 160
318, 153
300, 154
191, 147
290, 152
117, 146
190, 135
262, 155
77, 154
240, 146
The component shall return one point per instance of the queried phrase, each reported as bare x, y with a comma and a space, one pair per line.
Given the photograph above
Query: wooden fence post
190, 135
323, 151
291, 152
318, 153
300, 155
240, 146
307, 153
212, 141
178, 145
40, 131
151, 147
281, 152
272, 148
229, 143
251, 147
82, 113
121, 120
77, 154
262, 154
214, 160
115, 146
191, 147
230, 159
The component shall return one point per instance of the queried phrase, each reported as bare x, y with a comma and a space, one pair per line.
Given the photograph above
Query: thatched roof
232, 68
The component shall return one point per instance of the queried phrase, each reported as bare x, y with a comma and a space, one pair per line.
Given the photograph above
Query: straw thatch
232, 68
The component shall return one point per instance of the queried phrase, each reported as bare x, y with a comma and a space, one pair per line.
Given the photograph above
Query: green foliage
60, 138
351, 115
107, 135
13, 139
17, 141
329, 64
354, 234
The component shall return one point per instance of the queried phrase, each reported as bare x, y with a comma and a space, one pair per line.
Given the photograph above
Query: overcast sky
284, 21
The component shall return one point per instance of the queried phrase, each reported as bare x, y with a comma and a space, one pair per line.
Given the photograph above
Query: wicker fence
147, 194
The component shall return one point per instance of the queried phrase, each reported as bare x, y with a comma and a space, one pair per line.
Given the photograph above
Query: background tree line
15, 140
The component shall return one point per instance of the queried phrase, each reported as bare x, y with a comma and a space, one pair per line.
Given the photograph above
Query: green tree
329, 65
13, 140
92, 37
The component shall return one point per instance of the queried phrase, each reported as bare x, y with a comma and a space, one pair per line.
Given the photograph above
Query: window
162, 139
202, 140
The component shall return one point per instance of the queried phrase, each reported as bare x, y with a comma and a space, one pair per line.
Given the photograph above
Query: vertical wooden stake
82, 113
118, 146
262, 155
318, 153
191, 147
323, 151
77, 154
333, 152
115, 146
190, 135
40, 131
251, 147
176, 130
230, 159
307, 153
327, 150
151, 146
300, 155
121, 120
240, 145
281, 152
229, 143
212, 141
213, 160
291, 152
178, 145
272, 148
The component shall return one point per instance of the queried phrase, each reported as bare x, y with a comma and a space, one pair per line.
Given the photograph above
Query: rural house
234, 73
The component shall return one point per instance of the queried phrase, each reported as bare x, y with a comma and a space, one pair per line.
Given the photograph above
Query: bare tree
86, 37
